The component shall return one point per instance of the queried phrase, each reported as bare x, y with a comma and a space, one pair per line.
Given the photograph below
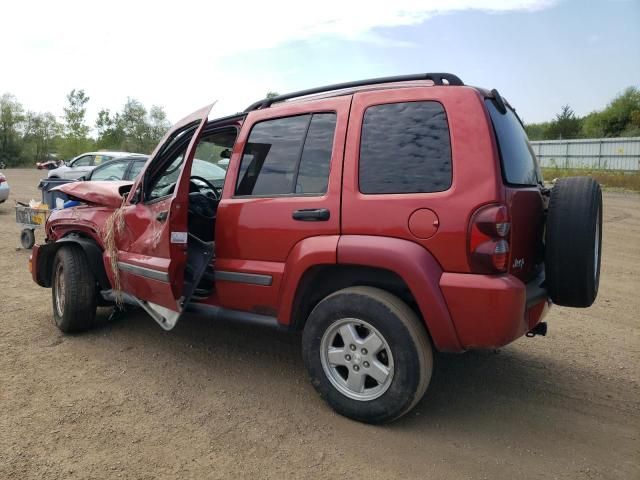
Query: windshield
519, 163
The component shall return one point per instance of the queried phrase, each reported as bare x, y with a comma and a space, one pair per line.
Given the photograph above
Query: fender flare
419, 270
93, 252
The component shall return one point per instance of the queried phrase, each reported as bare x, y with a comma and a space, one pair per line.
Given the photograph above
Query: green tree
566, 125
109, 130
40, 133
537, 131
158, 125
76, 130
132, 129
272, 94
620, 118
133, 121
11, 120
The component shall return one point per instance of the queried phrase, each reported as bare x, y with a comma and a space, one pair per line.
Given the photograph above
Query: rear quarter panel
475, 170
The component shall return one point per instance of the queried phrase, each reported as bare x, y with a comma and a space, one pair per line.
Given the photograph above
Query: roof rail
437, 78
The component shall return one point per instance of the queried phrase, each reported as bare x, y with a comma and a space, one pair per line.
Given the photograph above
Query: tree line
620, 118
27, 137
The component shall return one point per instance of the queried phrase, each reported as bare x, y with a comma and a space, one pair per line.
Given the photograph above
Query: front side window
111, 171
85, 161
212, 155
209, 151
288, 155
405, 148
136, 168
165, 169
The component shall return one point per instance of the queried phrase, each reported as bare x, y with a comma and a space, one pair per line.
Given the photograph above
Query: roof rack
436, 78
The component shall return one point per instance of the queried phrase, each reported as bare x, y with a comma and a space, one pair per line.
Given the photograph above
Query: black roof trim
437, 78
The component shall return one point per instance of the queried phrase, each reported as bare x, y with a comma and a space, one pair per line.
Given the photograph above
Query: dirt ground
206, 400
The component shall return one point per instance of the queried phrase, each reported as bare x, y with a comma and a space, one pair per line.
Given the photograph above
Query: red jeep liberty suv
383, 218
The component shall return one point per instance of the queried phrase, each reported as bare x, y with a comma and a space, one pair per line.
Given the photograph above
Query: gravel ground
128, 400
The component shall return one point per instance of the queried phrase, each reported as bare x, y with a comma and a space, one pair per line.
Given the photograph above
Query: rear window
405, 148
519, 163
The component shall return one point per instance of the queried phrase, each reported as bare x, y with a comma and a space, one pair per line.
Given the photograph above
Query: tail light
489, 239
2, 178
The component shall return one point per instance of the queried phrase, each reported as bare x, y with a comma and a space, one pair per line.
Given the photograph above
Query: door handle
162, 216
312, 215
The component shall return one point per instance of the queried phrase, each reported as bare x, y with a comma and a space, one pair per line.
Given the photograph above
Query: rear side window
405, 148
288, 156
313, 174
519, 163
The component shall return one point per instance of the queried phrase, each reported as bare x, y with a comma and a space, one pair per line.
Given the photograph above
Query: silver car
4, 188
83, 164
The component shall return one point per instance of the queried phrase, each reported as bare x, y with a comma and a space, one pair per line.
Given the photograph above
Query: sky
540, 54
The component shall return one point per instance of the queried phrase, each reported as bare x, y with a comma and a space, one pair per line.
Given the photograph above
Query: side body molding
417, 267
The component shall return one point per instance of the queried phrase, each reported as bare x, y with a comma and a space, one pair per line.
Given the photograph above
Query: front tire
368, 354
73, 290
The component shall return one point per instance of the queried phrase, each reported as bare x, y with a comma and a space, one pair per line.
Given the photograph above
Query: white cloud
171, 52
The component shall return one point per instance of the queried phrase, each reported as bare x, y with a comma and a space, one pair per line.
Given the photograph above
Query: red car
385, 218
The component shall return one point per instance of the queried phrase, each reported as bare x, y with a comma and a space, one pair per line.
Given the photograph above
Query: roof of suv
419, 79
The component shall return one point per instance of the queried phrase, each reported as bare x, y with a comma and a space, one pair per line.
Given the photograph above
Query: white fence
595, 153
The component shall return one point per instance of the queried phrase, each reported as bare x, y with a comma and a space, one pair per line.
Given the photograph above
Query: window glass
166, 181
405, 148
85, 161
110, 171
211, 153
165, 168
519, 163
313, 175
99, 159
271, 155
136, 168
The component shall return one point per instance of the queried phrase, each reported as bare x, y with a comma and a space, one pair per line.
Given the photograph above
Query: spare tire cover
573, 241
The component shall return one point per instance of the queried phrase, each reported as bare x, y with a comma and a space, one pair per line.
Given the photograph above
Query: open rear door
159, 263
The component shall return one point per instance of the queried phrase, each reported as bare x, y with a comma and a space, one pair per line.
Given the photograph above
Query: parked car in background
49, 164
123, 168
83, 164
4, 188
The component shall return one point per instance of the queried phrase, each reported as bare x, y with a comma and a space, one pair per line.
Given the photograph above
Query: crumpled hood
105, 193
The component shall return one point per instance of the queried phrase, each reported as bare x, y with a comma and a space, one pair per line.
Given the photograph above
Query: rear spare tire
573, 241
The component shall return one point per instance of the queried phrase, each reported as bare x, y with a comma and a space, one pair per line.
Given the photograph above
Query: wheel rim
356, 359
60, 292
596, 250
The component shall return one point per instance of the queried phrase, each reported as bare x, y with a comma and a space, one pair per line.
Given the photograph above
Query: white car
4, 188
83, 164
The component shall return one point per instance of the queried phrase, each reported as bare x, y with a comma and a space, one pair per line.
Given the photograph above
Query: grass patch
609, 179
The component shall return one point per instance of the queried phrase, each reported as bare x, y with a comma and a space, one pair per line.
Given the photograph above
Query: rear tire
573, 242
73, 290
334, 345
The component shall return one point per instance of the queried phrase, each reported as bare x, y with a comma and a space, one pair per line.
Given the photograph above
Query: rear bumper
492, 311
